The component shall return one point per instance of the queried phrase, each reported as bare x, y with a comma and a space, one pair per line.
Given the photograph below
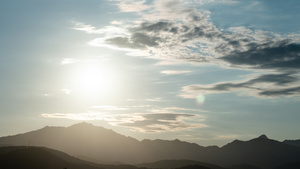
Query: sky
202, 71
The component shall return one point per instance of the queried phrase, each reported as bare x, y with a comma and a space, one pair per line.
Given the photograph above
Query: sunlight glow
94, 80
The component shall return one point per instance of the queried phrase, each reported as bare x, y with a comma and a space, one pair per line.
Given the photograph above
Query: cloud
67, 61
132, 5
268, 85
174, 72
108, 107
75, 116
152, 120
157, 122
67, 91
108, 31
292, 91
273, 55
177, 31
174, 30
157, 99
184, 109
136, 41
160, 120
116, 22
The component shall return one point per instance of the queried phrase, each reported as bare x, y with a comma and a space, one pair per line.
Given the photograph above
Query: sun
94, 80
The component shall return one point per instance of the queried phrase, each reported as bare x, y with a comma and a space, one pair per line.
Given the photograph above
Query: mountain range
100, 145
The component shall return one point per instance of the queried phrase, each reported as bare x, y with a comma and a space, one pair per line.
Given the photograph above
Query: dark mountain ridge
101, 145
39, 157
28, 157
261, 151
292, 142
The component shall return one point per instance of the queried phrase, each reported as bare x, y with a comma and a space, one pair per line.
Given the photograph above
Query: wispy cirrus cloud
67, 61
108, 31
160, 120
108, 107
157, 99
184, 109
175, 72
269, 85
75, 116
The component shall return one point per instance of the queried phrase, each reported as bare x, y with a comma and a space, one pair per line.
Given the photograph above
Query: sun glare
94, 80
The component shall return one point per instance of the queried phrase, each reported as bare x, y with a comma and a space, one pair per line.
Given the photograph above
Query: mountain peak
263, 137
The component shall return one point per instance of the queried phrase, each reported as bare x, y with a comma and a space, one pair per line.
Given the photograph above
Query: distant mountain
261, 152
82, 140
156, 150
101, 145
292, 142
38, 157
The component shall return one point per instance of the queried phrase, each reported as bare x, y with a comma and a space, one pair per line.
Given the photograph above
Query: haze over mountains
101, 145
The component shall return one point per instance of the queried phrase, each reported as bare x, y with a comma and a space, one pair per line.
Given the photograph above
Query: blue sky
205, 71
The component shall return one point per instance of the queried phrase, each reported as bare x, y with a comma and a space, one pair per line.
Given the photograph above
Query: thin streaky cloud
108, 107
75, 116
142, 122
158, 122
157, 99
184, 109
268, 85
67, 61
175, 72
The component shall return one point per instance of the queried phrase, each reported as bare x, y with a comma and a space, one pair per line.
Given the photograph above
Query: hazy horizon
206, 71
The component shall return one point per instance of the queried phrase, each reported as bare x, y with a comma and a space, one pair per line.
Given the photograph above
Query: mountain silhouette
39, 157
292, 142
81, 140
261, 151
24, 157
101, 145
